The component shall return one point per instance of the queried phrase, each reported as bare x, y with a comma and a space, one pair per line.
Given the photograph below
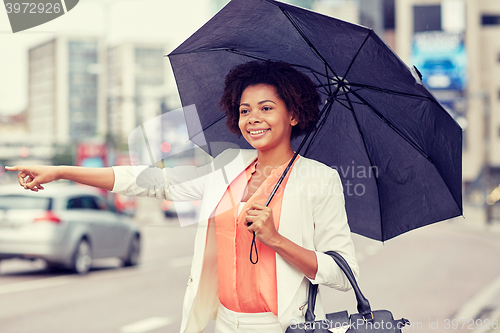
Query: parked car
67, 225
179, 208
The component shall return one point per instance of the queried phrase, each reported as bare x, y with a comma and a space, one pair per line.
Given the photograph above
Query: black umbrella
397, 150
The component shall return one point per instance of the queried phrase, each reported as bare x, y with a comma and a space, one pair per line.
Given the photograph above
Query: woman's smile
255, 134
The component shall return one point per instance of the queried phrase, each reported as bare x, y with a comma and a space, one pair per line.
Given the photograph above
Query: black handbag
366, 321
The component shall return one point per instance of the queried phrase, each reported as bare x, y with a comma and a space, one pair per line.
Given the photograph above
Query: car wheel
82, 259
134, 251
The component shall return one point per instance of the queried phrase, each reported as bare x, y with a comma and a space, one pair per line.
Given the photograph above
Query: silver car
67, 225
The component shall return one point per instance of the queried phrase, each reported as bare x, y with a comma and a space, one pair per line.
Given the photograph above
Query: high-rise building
346, 10
137, 86
66, 92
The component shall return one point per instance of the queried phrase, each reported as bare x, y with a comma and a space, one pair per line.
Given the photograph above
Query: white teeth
258, 132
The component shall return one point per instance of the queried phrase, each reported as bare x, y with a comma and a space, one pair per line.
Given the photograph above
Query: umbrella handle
254, 245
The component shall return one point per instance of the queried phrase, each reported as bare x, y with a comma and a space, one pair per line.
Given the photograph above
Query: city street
430, 276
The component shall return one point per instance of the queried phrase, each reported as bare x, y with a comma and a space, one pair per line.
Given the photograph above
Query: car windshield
23, 202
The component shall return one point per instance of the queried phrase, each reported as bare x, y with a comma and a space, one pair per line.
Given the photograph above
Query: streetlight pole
485, 175
488, 209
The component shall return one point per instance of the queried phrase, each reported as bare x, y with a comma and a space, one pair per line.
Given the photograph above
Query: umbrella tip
416, 74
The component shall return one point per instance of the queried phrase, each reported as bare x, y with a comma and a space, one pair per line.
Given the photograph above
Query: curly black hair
293, 87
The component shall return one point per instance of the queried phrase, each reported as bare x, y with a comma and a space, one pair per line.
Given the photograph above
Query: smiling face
264, 119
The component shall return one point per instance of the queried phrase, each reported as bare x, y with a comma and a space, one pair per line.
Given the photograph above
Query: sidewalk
484, 307
474, 221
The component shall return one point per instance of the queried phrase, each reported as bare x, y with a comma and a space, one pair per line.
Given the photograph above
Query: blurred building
12, 137
137, 86
347, 10
302, 3
66, 90
17, 146
375, 14
12, 125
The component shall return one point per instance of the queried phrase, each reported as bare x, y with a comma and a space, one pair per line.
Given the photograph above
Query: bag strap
363, 304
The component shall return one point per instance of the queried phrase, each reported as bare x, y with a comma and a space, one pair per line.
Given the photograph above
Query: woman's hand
33, 176
262, 222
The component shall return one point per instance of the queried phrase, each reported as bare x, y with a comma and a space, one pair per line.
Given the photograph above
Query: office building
137, 86
66, 91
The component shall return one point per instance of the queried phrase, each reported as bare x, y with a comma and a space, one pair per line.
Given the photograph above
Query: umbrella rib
388, 91
351, 108
320, 125
391, 125
215, 49
328, 80
344, 93
302, 34
356, 55
315, 73
328, 89
259, 58
350, 102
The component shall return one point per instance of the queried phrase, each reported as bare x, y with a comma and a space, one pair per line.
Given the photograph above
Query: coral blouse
243, 286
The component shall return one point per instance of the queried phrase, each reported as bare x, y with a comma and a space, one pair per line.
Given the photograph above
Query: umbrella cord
326, 107
254, 245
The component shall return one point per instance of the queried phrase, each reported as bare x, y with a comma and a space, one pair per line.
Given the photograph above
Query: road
428, 276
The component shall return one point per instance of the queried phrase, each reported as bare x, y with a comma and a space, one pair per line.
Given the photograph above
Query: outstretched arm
32, 177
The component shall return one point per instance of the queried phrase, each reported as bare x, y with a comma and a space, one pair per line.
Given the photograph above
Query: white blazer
312, 216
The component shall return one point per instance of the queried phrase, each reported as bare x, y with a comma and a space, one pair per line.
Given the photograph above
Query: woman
269, 103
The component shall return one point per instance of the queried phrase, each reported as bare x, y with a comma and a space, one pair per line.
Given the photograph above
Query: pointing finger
16, 168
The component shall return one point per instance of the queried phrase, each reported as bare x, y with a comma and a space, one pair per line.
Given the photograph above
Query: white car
180, 208
67, 225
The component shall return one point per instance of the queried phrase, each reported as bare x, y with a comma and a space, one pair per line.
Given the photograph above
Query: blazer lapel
288, 277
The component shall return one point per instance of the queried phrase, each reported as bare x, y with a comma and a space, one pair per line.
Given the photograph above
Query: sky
164, 21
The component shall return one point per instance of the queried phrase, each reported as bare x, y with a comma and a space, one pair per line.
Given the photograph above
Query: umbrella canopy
397, 150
